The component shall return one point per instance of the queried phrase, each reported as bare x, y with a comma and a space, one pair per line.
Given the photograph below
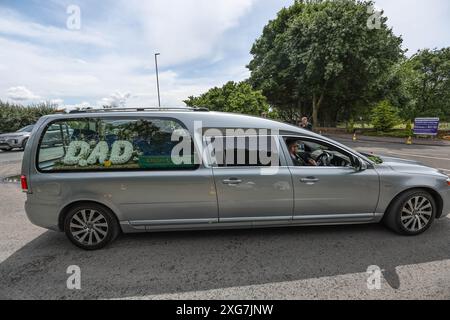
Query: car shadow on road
162, 263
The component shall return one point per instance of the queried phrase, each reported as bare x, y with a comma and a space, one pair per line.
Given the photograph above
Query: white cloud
58, 102
114, 50
57, 76
21, 94
422, 24
14, 24
184, 30
116, 100
80, 106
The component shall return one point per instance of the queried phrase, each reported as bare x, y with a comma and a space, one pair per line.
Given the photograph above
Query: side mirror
359, 165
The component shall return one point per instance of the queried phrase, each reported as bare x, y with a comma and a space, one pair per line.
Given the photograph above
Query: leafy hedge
14, 116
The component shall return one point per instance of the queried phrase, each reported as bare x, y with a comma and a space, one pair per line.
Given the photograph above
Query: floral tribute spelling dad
79, 153
124, 144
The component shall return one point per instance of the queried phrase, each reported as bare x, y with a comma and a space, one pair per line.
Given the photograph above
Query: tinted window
307, 153
248, 151
94, 144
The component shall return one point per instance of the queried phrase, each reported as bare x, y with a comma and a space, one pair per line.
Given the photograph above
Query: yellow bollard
354, 137
409, 141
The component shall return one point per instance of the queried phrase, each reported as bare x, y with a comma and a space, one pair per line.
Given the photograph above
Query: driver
299, 158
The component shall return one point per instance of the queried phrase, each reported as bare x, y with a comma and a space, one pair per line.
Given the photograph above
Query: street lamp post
157, 78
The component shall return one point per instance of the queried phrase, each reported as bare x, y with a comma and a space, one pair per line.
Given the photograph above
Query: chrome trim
275, 219
353, 217
172, 222
256, 219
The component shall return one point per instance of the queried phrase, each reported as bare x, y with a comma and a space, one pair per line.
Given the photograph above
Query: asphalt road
12, 156
289, 263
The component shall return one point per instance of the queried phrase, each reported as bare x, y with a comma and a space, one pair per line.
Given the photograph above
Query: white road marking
415, 155
433, 285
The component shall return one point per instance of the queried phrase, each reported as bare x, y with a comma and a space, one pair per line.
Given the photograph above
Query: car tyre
412, 213
91, 226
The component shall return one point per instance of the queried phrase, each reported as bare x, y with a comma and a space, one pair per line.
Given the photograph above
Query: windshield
26, 129
360, 154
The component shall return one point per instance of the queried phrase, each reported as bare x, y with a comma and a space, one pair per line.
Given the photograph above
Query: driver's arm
312, 162
307, 159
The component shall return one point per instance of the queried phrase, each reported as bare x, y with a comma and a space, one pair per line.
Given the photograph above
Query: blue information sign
426, 126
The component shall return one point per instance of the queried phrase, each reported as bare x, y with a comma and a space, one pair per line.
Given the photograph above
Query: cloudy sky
45, 54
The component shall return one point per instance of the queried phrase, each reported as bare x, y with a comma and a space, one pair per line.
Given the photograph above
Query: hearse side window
104, 144
245, 151
311, 153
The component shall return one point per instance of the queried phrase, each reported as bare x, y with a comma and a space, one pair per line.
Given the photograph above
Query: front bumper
11, 142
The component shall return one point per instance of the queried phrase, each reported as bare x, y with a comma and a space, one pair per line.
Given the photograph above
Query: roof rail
137, 109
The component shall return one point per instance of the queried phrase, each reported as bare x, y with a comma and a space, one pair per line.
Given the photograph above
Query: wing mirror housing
359, 165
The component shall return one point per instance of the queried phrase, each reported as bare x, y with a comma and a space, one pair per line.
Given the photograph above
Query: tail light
448, 182
24, 183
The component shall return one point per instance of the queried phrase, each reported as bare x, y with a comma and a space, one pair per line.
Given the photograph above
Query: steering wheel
324, 159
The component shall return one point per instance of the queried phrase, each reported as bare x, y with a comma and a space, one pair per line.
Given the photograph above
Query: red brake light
24, 183
448, 182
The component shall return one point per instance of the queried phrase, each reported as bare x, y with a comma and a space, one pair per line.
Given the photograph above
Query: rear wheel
91, 226
412, 213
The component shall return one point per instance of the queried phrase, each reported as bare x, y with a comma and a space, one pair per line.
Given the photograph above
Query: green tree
394, 88
232, 97
426, 80
321, 56
384, 116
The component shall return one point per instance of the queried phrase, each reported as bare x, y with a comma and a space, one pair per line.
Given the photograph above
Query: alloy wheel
89, 227
416, 213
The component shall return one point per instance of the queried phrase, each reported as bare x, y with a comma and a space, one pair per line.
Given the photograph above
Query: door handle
232, 181
309, 180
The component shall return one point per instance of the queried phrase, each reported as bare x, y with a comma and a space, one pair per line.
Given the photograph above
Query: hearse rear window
94, 144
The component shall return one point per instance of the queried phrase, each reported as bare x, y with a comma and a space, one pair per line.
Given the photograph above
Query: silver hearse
147, 170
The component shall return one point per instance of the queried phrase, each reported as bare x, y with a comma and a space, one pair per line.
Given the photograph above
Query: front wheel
91, 226
412, 213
